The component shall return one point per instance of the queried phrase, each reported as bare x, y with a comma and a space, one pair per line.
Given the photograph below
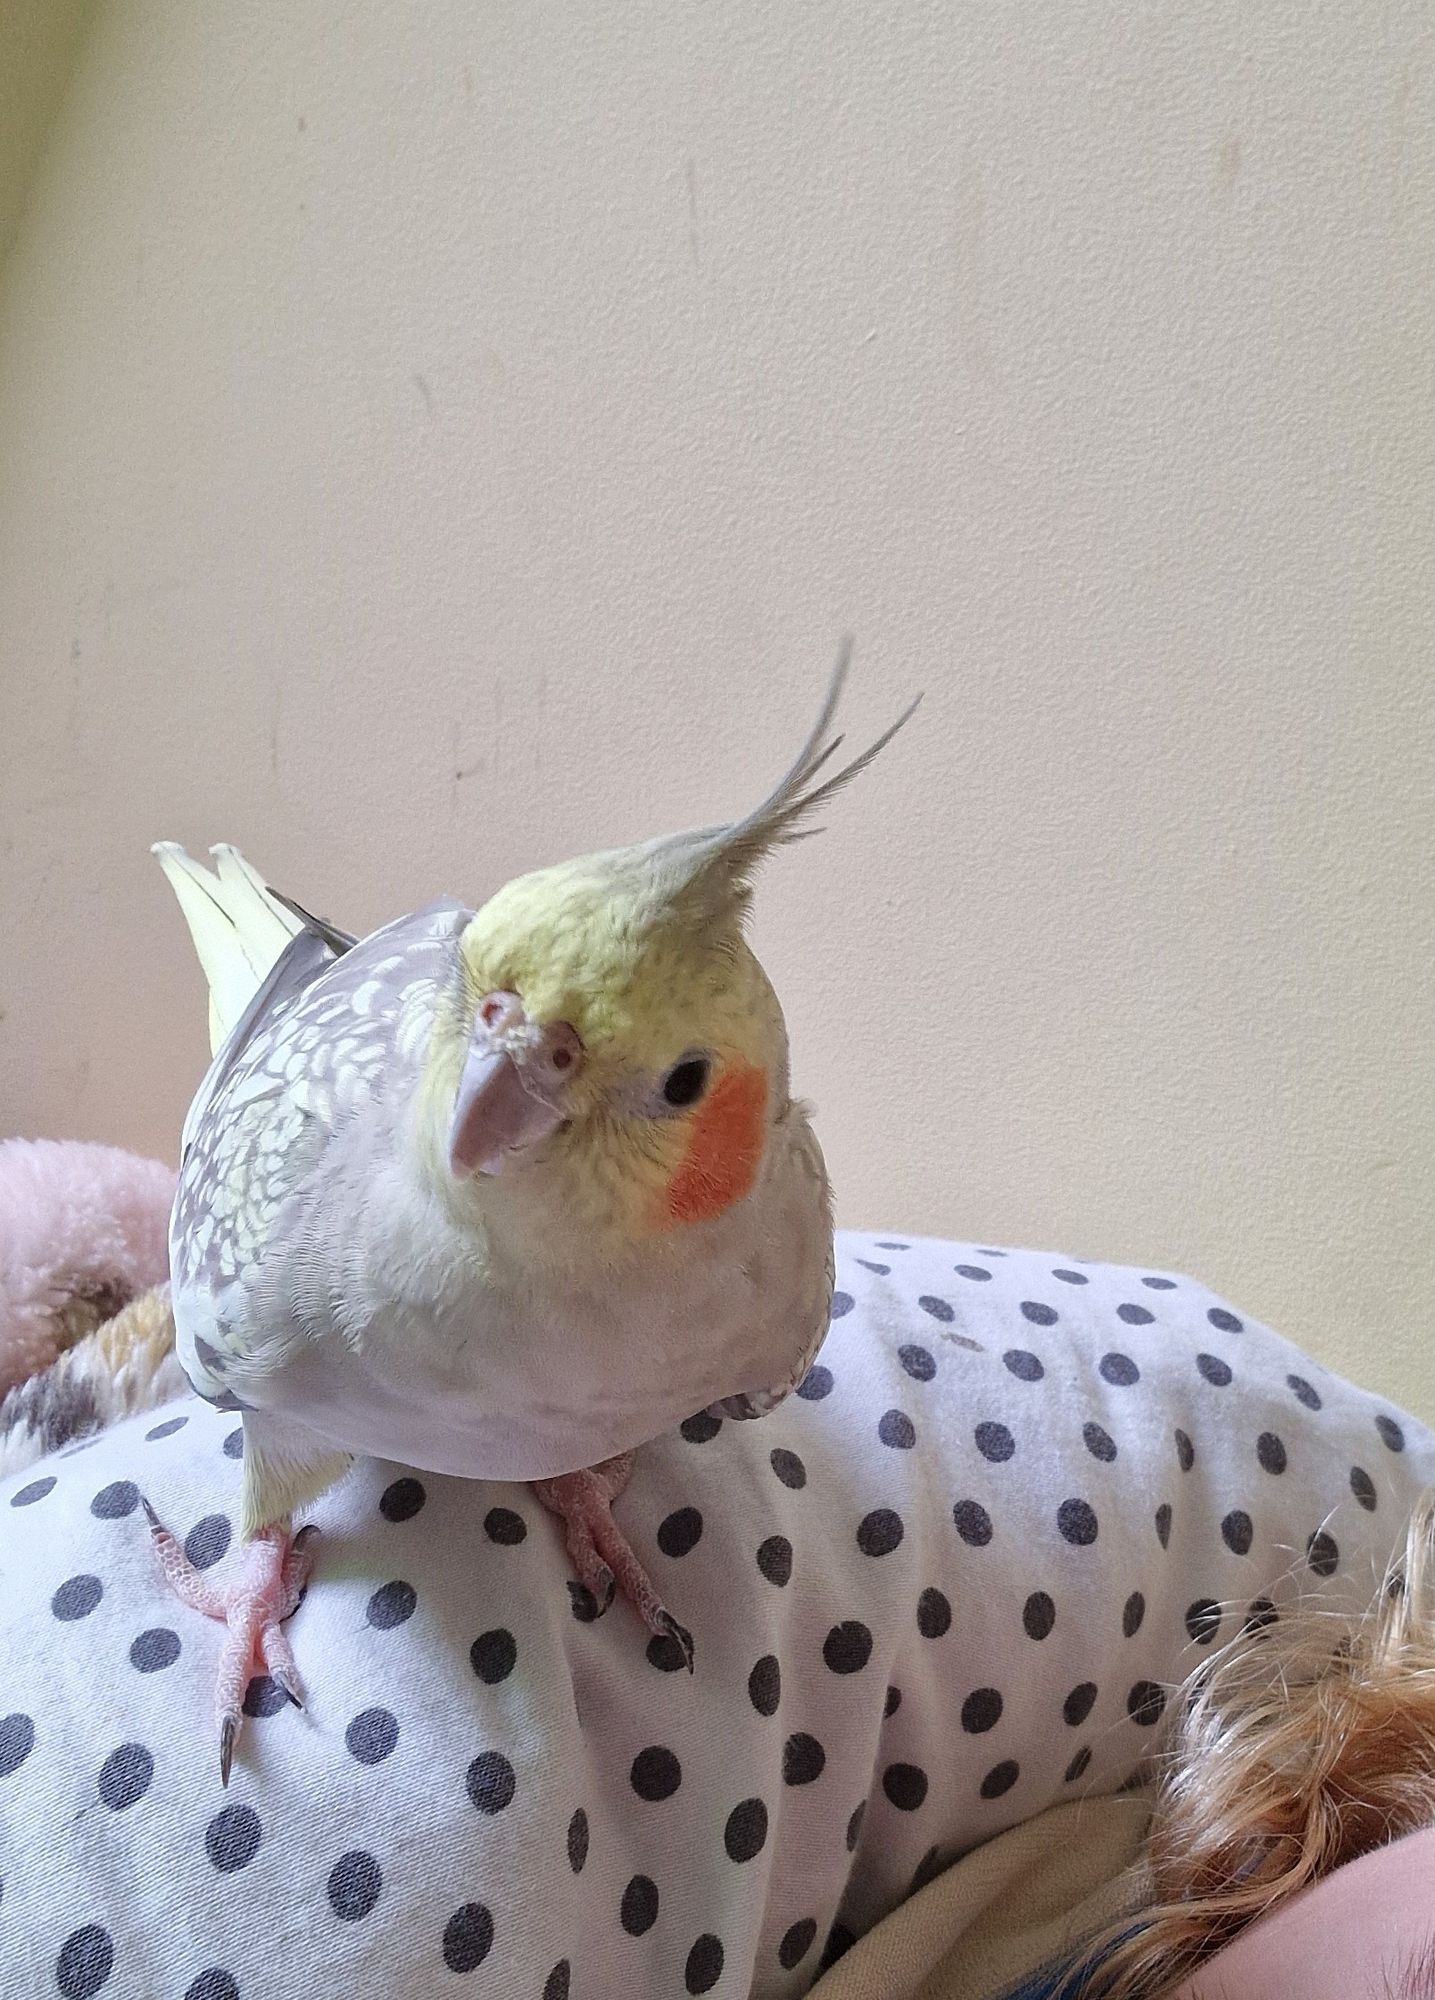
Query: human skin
1366, 1932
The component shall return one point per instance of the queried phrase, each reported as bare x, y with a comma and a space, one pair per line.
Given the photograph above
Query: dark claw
156, 1525
681, 1637
228, 1730
285, 1686
607, 1588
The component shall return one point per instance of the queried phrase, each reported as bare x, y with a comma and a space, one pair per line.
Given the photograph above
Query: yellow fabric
1005, 1909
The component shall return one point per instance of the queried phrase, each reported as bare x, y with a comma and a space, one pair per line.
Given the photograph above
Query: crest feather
715, 865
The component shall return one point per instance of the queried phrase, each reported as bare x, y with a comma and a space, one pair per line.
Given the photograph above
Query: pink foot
599, 1550
253, 1606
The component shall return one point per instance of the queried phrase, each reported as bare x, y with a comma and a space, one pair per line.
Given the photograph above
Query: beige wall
434, 439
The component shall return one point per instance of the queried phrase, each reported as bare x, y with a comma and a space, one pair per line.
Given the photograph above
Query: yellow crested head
618, 1054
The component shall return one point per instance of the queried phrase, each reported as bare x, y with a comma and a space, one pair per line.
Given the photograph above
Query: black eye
686, 1081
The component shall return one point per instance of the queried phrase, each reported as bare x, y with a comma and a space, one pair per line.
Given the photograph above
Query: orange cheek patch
724, 1148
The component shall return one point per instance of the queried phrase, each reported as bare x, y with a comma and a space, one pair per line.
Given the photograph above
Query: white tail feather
238, 928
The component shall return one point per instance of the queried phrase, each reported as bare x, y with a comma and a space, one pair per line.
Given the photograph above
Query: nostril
562, 1059
493, 1011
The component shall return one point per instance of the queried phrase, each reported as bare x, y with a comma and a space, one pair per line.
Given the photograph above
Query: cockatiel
502, 1193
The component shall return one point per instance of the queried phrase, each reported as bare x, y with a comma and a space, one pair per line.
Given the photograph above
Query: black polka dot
36, 1490
1303, 1391
896, 1428
680, 1531
1078, 1767
86, 1960
156, 1648
371, 1736
76, 1598
1322, 1553
1363, 1487
704, 1967
125, 1776
1119, 1370
854, 1827
918, 1362
1160, 1284
402, 1500
666, 1653
797, 1941
263, 1696
840, 1941
934, 1614
788, 1467
841, 1305
974, 1272
774, 1559
493, 1656
1023, 1365
1098, 1442
1132, 1613
1071, 1277
1038, 1314
745, 1833
581, 1602
1270, 1452
973, 1523
166, 1429
995, 1442
234, 1443
655, 1774
847, 1647
868, 1264
1038, 1615
815, 1384
1260, 1616
639, 1909
1237, 1532
1185, 1451
764, 1685
490, 1782
938, 1308
879, 1532
802, 1759
1135, 1315
17, 1740
208, 1541
1076, 1520
927, 1870
1146, 1703
213, 1984
558, 1984
1203, 1620
905, 1785
700, 1428
578, 1841
467, 1938
893, 1701
1391, 1435
981, 1711
354, 1884
391, 1604
1000, 1779
1225, 1321
1214, 1370
503, 1526
1079, 1704
1163, 1524
231, 1839
112, 1503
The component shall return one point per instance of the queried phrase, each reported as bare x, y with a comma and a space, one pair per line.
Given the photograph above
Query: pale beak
512, 1090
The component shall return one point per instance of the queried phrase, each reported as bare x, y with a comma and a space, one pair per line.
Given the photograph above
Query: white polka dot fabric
944, 1585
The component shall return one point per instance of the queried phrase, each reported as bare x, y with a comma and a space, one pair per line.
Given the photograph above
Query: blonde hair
1292, 1752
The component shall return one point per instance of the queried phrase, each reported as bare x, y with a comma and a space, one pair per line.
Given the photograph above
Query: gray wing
323, 1039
